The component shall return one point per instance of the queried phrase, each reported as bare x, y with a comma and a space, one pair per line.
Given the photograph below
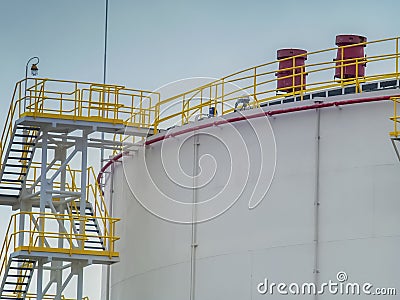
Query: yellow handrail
44, 226
260, 82
94, 193
76, 100
395, 118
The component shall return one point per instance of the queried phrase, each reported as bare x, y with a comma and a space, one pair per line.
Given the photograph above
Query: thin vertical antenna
104, 71
108, 268
105, 44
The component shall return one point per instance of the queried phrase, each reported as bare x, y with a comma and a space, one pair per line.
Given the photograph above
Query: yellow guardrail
94, 193
42, 234
259, 83
396, 117
75, 100
116, 104
89, 102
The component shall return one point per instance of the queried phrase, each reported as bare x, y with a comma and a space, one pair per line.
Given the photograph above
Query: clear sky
154, 42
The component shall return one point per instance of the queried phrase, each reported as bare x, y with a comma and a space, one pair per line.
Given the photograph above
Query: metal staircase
91, 227
62, 224
18, 158
15, 284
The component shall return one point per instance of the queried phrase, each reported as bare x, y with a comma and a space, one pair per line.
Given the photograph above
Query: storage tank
305, 193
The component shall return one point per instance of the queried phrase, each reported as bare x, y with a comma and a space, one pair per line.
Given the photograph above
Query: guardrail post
397, 58
395, 115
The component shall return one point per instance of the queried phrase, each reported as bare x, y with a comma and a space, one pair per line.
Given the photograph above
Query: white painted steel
358, 216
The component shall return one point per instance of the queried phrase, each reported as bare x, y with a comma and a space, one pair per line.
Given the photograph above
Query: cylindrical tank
349, 59
293, 60
333, 205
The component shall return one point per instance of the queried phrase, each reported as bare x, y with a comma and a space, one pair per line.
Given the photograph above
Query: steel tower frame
63, 224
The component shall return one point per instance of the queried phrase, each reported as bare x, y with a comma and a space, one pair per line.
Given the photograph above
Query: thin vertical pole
104, 71
397, 57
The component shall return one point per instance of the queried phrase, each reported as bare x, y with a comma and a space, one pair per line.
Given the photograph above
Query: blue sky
154, 42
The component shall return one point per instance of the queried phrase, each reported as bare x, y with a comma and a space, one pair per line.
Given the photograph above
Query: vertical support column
84, 144
21, 225
61, 154
82, 203
24, 206
79, 288
43, 172
39, 289
43, 185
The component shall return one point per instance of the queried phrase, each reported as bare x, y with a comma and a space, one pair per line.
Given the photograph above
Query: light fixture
34, 70
34, 67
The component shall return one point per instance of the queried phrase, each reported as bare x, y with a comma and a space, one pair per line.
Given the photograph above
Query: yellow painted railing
42, 234
396, 117
88, 102
259, 83
82, 101
94, 194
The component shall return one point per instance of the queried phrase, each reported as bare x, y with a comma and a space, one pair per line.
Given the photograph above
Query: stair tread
21, 268
28, 127
24, 143
98, 248
10, 188
92, 230
11, 180
25, 135
19, 158
16, 283
15, 173
24, 260
21, 150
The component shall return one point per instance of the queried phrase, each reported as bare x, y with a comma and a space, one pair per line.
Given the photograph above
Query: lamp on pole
34, 72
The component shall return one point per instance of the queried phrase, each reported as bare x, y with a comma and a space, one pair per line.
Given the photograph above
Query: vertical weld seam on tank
316, 199
196, 144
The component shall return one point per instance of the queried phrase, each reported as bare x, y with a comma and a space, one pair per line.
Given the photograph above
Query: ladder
92, 227
15, 284
18, 158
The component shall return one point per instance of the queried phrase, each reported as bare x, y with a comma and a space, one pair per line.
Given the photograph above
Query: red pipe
242, 118
109, 163
269, 113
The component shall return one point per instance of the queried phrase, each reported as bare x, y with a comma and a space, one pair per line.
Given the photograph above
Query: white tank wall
359, 213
